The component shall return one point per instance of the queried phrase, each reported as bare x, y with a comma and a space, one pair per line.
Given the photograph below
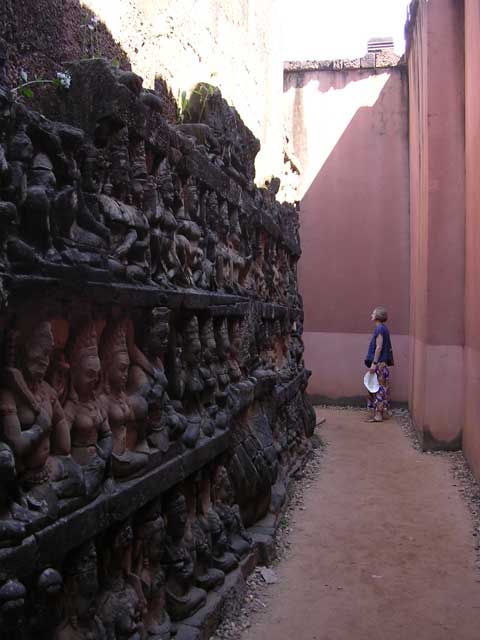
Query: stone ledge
128, 295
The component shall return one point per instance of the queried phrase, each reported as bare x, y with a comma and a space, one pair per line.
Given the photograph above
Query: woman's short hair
381, 314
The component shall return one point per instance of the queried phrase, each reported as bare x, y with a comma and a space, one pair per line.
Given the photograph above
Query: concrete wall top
379, 60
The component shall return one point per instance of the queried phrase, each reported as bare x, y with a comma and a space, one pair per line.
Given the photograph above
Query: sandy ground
382, 549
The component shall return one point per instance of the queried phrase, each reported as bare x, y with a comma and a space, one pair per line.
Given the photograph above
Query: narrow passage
383, 549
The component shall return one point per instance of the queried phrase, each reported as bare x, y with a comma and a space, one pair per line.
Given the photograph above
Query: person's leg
383, 394
370, 406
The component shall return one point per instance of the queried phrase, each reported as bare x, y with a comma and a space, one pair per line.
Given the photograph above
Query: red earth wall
349, 129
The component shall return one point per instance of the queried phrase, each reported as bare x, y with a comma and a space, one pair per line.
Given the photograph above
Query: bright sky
325, 29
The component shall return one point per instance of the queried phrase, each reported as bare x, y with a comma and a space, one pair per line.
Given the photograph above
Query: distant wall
234, 44
348, 127
437, 196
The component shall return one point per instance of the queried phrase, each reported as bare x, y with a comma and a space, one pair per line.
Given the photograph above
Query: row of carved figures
82, 407
137, 578
122, 208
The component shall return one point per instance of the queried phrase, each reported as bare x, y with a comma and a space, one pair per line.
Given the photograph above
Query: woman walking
379, 359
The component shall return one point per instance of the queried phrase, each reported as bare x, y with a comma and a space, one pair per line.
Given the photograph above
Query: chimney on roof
380, 44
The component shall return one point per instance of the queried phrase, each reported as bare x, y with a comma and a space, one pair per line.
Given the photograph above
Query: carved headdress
29, 331
84, 344
114, 341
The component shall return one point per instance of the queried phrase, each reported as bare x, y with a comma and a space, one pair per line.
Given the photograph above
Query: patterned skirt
380, 401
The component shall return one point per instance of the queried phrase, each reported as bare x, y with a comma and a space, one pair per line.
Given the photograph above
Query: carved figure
86, 415
80, 574
194, 383
239, 542
120, 606
117, 404
32, 422
167, 268
187, 247
148, 380
151, 537
183, 598
223, 350
217, 558
222, 556
224, 266
208, 372
191, 200
130, 239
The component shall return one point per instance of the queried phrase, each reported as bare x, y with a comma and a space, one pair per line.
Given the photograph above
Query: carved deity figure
187, 240
183, 598
259, 267
85, 413
194, 382
208, 372
126, 460
235, 339
191, 200
147, 379
130, 239
240, 264
239, 542
150, 548
32, 422
80, 575
167, 269
120, 606
222, 555
217, 559
224, 266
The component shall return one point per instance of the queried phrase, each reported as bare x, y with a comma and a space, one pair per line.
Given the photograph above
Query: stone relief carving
152, 317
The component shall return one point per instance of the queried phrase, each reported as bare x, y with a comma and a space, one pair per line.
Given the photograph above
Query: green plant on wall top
183, 113
196, 103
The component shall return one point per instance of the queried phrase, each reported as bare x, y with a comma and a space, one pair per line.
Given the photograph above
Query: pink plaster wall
437, 206
471, 439
349, 129
335, 357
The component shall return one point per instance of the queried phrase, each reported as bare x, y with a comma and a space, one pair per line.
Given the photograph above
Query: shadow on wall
355, 229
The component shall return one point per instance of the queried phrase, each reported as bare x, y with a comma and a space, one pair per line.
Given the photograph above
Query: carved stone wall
152, 403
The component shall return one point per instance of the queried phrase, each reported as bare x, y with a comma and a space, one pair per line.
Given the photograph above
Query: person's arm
378, 351
60, 438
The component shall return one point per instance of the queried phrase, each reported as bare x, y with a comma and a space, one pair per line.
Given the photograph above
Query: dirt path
383, 549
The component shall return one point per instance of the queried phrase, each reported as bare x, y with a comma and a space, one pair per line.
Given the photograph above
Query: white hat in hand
370, 380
